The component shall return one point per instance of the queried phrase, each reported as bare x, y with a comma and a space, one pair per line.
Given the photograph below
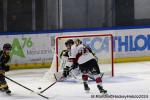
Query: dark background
38, 15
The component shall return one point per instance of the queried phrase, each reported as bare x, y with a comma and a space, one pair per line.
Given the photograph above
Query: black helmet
69, 42
7, 46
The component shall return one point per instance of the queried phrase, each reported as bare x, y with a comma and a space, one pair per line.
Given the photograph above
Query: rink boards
36, 49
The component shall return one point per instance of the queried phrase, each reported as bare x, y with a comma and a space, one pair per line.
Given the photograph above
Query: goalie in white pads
82, 56
64, 56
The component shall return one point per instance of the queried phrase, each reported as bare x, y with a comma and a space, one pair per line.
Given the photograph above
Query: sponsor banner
132, 43
26, 49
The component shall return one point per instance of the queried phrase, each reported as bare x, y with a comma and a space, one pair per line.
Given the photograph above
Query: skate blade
104, 93
9, 94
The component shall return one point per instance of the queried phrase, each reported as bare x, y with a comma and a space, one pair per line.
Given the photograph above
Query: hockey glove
74, 66
64, 53
7, 68
66, 71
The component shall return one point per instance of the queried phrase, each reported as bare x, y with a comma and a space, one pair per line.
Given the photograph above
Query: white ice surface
130, 79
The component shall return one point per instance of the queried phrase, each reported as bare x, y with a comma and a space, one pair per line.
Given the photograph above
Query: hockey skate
100, 88
86, 87
7, 91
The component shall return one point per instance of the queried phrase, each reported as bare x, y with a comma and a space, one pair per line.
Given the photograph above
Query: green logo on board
18, 46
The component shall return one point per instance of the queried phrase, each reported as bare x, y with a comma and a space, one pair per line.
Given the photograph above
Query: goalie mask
69, 42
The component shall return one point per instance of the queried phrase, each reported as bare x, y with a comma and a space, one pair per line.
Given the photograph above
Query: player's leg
3, 84
84, 71
96, 72
85, 81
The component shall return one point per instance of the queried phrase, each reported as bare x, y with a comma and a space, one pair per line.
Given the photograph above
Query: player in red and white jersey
81, 55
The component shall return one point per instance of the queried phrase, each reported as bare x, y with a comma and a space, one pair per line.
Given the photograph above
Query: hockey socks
99, 85
86, 87
85, 79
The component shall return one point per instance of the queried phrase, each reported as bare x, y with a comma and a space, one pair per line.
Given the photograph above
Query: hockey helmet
78, 41
7, 46
69, 42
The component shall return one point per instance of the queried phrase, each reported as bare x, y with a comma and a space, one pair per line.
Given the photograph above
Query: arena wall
35, 50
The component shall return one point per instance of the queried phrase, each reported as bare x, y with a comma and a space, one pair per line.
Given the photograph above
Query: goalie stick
25, 87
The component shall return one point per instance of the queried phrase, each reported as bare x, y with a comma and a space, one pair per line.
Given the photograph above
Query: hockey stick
88, 76
54, 82
25, 87
75, 77
93, 78
50, 85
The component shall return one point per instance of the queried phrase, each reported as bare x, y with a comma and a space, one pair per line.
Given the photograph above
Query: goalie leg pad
58, 76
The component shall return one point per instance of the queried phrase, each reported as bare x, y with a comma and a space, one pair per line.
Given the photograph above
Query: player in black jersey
4, 59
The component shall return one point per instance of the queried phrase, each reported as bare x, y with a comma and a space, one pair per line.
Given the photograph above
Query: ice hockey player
64, 58
78, 42
4, 58
80, 54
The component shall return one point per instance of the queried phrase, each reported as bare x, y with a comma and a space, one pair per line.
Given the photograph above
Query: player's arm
90, 50
3, 63
64, 53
